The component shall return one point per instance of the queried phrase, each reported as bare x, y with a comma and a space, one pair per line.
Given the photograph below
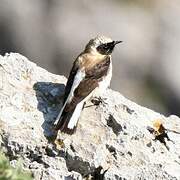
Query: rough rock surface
111, 141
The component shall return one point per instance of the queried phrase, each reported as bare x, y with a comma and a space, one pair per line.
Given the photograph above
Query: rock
111, 142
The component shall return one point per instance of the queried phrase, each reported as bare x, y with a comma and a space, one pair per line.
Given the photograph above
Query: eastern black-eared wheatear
90, 76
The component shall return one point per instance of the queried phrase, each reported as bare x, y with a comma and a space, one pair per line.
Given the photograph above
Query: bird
90, 76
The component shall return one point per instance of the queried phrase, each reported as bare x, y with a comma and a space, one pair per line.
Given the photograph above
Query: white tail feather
59, 115
76, 114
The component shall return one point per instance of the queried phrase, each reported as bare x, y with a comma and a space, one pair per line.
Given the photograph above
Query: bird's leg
99, 100
84, 105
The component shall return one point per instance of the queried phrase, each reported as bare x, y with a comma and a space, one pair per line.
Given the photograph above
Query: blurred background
52, 33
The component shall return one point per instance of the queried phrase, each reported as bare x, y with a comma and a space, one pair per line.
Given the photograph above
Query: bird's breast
104, 83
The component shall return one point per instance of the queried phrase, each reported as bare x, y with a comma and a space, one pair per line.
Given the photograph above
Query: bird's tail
67, 121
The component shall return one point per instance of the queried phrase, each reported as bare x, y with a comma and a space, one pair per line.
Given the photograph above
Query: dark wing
89, 83
70, 81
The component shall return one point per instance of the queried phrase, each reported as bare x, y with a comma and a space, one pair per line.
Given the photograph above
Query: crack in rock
76, 163
112, 150
116, 127
11, 153
97, 174
36, 156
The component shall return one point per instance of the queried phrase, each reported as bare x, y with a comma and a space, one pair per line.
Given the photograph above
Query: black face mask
107, 48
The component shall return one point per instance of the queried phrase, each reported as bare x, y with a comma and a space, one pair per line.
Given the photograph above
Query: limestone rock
112, 140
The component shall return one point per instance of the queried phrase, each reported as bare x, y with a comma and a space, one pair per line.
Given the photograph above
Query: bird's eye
105, 46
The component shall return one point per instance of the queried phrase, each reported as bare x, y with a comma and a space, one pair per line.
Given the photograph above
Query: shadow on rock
49, 96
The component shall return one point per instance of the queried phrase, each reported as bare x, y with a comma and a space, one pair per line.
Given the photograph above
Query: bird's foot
99, 100
96, 101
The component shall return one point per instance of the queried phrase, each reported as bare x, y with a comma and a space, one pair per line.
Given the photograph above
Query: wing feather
70, 81
75, 77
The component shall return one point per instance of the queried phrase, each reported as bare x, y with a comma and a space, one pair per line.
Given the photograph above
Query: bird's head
101, 45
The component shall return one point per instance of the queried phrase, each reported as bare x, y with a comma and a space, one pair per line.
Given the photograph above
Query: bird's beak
117, 42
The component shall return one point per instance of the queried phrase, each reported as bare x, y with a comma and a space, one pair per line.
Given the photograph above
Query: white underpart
104, 84
76, 114
77, 79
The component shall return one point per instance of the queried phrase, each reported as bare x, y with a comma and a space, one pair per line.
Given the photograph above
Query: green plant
7, 172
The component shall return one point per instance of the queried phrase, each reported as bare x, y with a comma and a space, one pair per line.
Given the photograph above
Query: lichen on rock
111, 142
